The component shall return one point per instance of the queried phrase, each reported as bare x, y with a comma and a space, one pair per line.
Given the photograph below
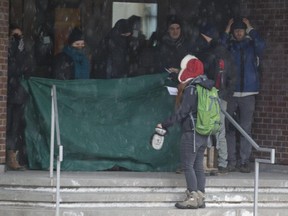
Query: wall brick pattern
270, 128
4, 17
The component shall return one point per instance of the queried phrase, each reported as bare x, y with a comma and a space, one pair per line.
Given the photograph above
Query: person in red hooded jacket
193, 144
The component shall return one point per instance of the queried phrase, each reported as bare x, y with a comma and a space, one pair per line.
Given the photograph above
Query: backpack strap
194, 129
193, 91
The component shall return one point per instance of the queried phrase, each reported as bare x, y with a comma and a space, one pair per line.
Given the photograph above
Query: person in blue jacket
246, 47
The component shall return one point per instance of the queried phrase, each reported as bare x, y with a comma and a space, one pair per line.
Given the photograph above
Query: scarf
177, 43
81, 62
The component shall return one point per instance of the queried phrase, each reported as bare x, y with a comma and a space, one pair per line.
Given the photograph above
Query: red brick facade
270, 128
4, 17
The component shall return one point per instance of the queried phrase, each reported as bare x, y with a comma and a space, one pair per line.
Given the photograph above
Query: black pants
15, 126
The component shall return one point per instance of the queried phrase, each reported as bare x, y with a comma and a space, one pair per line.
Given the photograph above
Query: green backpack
208, 111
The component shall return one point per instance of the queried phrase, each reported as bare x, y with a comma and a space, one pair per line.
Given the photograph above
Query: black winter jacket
169, 53
210, 56
63, 67
20, 65
111, 58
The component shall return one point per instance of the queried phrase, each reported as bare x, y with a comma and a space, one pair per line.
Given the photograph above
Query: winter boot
191, 201
12, 161
245, 168
201, 199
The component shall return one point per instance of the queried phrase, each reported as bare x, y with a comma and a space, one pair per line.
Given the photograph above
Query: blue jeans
246, 107
192, 160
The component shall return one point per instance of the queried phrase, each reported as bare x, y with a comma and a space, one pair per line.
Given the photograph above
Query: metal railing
257, 161
55, 125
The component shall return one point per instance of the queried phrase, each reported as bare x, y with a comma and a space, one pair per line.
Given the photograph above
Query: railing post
256, 186
257, 161
55, 123
52, 137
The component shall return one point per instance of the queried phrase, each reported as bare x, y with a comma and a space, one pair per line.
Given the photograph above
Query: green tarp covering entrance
103, 123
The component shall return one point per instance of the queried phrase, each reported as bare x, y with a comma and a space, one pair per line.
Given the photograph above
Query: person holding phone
172, 47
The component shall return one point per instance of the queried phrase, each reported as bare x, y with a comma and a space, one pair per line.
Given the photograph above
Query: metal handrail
257, 160
55, 125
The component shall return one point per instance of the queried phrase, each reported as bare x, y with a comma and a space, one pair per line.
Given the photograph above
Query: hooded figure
217, 59
20, 66
219, 67
111, 57
192, 145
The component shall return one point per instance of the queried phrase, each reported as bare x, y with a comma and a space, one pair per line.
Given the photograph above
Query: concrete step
133, 193
136, 179
142, 211
137, 194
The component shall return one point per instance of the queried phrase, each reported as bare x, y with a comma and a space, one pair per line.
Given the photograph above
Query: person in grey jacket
193, 144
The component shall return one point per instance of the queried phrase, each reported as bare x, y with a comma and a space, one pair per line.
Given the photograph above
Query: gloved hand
157, 138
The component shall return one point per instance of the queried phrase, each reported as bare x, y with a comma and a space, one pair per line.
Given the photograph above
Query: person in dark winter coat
19, 67
218, 66
193, 144
72, 62
247, 47
172, 47
111, 57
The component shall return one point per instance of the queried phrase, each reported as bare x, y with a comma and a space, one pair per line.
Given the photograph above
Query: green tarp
103, 123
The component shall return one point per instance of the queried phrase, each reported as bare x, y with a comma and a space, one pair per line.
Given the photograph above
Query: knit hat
14, 26
238, 24
173, 19
75, 35
122, 26
209, 30
191, 67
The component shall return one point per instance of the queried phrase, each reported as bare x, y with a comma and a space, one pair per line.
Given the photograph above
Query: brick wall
270, 129
4, 8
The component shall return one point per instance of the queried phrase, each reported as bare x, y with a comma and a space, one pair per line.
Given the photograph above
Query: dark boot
245, 168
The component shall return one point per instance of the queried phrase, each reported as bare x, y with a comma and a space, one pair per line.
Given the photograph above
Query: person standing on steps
192, 145
20, 66
218, 66
246, 47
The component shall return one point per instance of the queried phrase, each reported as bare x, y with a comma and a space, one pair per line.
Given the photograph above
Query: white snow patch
75, 183
73, 213
246, 213
230, 213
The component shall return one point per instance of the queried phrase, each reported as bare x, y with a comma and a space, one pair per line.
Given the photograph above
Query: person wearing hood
172, 47
192, 145
111, 57
20, 65
72, 62
246, 47
218, 66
